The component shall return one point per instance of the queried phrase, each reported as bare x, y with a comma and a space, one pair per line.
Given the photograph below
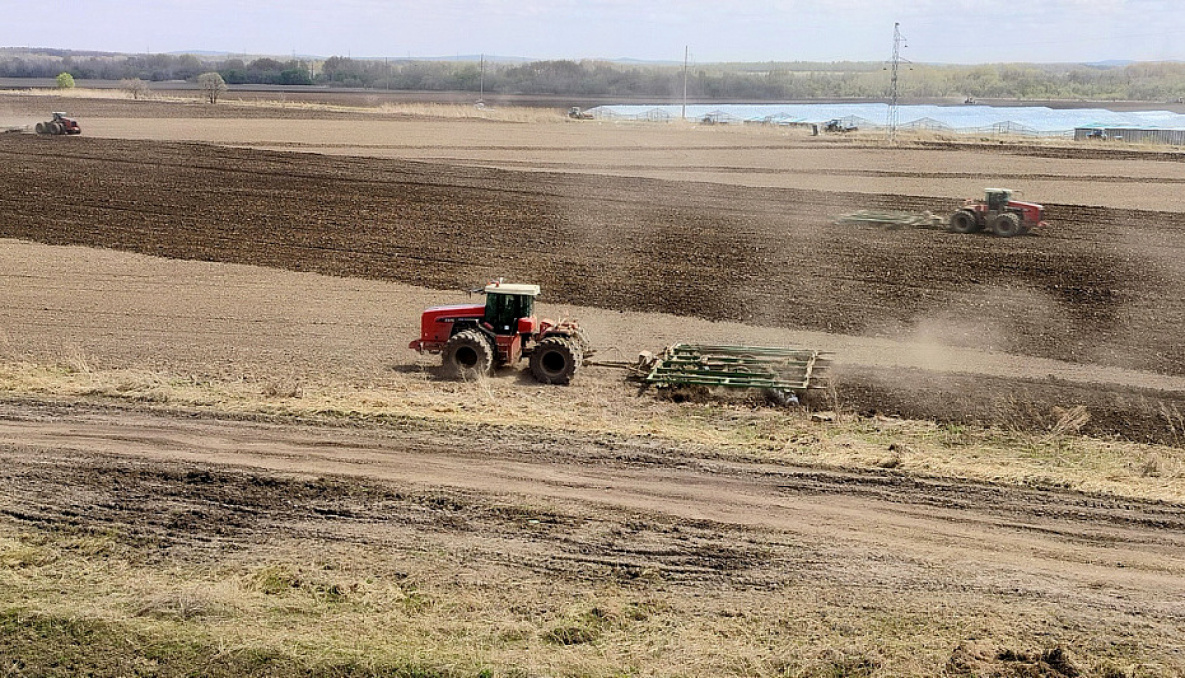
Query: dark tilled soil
1088, 152
1110, 290
1141, 415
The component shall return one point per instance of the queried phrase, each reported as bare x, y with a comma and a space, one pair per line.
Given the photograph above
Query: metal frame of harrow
782, 369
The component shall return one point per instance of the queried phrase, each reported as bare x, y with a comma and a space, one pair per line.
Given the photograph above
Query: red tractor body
436, 325
474, 338
60, 124
999, 214
439, 323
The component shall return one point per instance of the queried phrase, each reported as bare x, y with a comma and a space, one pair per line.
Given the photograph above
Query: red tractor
998, 213
59, 125
472, 339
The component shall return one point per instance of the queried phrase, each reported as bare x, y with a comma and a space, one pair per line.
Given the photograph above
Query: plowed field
1109, 291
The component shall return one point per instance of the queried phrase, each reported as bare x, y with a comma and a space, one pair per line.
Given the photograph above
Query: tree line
1160, 81
1147, 81
154, 67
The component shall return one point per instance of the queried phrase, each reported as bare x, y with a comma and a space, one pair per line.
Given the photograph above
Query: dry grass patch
72, 93
459, 111
433, 612
519, 114
17, 553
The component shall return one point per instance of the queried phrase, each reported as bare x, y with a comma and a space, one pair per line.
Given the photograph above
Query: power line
898, 39
686, 56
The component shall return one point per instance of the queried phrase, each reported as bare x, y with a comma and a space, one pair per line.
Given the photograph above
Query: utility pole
898, 39
686, 54
481, 81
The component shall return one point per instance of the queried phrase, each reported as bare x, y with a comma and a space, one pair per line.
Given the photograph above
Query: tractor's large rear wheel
1006, 225
964, 221
555, 360
468, 355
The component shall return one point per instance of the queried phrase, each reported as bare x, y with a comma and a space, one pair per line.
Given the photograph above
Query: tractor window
504, 310
495, 309
500, 312
998, 200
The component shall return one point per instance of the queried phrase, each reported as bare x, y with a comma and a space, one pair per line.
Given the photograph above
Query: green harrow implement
892, 219
782, 370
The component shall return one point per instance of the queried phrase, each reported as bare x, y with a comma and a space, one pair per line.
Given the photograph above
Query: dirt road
608, 508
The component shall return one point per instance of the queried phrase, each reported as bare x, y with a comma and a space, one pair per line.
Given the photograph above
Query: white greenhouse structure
969, 119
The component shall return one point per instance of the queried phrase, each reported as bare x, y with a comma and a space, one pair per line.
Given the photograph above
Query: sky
936, 31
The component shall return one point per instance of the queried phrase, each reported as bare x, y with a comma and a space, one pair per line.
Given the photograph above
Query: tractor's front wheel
964, 221
1006, 225
555, 360
40, 127
468, 355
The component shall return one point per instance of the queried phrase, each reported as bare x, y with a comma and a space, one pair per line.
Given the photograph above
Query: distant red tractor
999, 214
59, 125
473, 339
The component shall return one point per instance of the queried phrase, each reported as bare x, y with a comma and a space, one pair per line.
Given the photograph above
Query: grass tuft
1069, 420
178, 605
20, 556
274, 580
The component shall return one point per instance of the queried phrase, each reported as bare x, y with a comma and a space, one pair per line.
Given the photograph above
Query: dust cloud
994, 320
10, 121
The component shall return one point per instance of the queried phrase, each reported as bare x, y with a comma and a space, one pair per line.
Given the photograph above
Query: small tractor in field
998, 213
576, 114
472, 339
60, 124
838, 126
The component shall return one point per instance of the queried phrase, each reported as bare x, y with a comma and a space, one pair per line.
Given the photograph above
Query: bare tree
134, 87
212, 86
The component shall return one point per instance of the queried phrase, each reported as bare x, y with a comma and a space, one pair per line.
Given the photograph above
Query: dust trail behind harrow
893, 219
